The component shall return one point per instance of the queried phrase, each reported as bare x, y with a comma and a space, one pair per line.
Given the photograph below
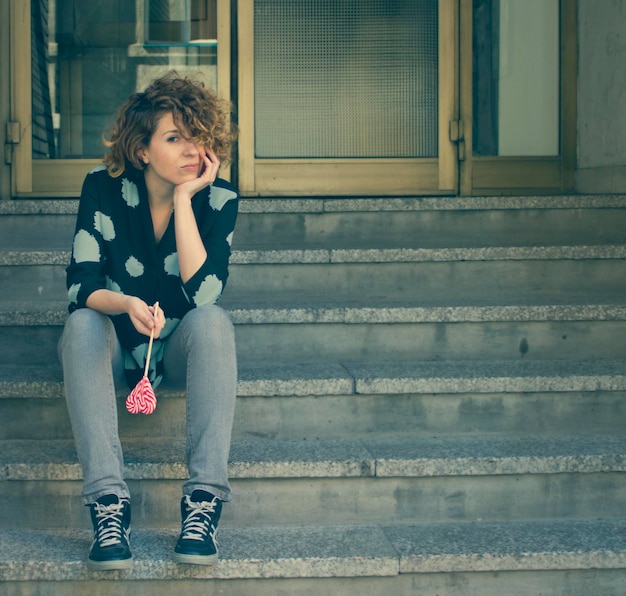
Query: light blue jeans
199, 356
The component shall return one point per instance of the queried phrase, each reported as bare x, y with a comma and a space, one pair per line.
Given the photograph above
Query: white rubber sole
196, 559
114, 565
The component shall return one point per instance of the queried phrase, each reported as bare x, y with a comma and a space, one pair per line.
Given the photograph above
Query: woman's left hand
209, 167
158, 317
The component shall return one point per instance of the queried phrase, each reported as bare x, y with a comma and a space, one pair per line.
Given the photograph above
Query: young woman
154, 225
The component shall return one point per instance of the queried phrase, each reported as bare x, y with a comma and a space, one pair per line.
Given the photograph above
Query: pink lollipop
142, 398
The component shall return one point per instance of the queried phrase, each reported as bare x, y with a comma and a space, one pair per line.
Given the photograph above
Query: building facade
332, 97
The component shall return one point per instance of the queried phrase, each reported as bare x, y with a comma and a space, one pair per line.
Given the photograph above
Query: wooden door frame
308, 177
472, 176
64, 177
522, 175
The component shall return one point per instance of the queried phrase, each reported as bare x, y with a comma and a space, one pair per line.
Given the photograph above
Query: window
83, 59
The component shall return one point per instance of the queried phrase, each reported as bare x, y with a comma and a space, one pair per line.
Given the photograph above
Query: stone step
350, 399
349, 223
513, 558
331, 255
361, 480
463, 463
421, 275
340, 500
307, 328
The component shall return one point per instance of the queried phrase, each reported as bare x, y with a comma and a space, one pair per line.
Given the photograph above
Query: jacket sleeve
217, 226
86, 272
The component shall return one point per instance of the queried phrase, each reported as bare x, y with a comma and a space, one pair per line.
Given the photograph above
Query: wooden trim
448, 94
515, 173
223, 60
346, 177
223, 48
60, 177
5, 102
21, 102
245, 26
466, 90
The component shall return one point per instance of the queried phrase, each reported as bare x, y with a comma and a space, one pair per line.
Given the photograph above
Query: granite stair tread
388, 254
377, 456
259, 379
374, 204
306, 308
266, 379
331, 551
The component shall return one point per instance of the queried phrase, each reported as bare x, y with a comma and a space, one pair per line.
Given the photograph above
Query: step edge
345, 256
23, 314
318, 552
371, 378
384, 457
321, 205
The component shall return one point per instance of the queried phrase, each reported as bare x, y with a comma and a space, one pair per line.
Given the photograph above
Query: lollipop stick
145, 371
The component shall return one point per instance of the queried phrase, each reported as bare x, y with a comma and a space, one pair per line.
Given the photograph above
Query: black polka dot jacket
114, 248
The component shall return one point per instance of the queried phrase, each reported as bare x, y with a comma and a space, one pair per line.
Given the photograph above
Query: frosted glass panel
346, 78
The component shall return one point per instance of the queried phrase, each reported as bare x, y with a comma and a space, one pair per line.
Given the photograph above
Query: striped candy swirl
142, 398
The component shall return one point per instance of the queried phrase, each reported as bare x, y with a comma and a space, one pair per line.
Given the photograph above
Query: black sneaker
197, 543
110, 550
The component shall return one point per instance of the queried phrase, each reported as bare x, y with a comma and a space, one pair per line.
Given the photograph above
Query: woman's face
171, 158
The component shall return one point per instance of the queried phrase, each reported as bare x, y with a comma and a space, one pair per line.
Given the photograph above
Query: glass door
74, 63
347, 97
334, 97
517, 96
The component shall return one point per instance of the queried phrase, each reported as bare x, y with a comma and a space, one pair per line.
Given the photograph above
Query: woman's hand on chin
209, 168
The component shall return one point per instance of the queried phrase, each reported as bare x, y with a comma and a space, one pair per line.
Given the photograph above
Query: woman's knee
86, 321
210, 320
83, 327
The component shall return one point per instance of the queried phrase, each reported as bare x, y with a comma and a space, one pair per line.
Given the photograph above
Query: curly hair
196, 110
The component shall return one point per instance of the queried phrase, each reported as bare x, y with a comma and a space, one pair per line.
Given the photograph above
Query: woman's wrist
127, 304
181, 200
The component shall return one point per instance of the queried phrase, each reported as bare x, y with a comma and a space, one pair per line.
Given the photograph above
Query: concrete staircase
431, 401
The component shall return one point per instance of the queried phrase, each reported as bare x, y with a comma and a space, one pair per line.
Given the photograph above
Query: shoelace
110, 528
199, 524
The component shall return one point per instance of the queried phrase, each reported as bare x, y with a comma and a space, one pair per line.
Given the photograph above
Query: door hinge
457, 135
14, 135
